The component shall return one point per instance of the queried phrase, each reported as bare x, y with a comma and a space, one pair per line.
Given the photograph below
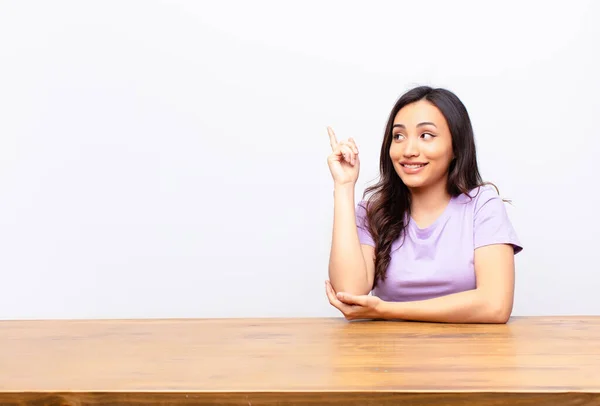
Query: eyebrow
418, 125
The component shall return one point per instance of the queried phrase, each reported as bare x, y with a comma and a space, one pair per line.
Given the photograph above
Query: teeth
413, 166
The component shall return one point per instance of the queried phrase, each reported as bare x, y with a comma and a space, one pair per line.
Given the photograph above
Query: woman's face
421, 148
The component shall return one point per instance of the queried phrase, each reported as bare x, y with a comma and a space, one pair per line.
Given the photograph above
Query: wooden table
529, 361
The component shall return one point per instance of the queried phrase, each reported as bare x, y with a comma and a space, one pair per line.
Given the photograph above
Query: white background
168, 158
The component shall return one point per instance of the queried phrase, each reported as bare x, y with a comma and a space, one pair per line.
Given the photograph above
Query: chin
415, 185
412, 181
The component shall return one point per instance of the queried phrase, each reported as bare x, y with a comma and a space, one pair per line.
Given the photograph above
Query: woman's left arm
490, 302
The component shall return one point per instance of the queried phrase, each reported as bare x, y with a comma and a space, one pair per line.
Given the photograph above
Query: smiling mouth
413, 166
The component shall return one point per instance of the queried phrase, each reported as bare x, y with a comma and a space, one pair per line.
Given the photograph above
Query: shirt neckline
441, 218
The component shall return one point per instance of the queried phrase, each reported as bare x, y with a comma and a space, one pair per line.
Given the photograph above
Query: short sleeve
491, 222
364, 236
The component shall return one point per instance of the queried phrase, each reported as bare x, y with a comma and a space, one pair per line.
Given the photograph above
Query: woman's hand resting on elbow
354, 307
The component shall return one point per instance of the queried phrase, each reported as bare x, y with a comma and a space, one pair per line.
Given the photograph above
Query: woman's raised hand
343, 161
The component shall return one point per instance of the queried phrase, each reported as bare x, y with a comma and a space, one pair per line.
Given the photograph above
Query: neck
430, 199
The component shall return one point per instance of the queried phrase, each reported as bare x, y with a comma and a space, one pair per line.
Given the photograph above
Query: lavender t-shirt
438, 260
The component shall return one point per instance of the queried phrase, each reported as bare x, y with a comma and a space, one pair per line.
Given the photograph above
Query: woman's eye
398, 136
424, 135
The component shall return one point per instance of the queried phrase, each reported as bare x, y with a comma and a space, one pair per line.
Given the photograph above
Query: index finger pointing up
332, 140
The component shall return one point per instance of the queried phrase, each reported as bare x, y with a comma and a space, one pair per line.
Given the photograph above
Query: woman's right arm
351, 264
349, 271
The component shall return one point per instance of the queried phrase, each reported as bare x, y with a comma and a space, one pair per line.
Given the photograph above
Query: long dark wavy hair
388, 208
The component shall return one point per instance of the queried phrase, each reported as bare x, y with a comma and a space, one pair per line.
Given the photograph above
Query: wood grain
529, 361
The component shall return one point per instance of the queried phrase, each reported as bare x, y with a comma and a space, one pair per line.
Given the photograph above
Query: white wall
168, 158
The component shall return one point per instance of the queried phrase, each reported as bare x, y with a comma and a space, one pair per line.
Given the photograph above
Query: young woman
433, 242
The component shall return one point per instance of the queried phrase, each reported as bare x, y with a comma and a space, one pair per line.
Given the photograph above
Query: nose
411, 148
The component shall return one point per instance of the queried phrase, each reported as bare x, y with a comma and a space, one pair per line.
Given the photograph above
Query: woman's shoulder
479, 196
361, 213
